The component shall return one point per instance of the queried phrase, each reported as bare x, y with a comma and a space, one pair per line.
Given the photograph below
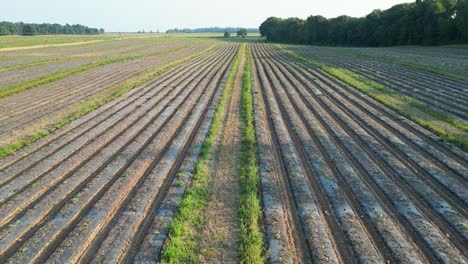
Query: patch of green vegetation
438, 115
383, 95
11, 148
179, 183
182, 246
35, 184
16, 223
370, 83
84, 108
75, 199
24, 249
252, 247
128, 173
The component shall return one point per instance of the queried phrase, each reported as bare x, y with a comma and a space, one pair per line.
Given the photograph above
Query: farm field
443, 93
17, 67
116, 155
75, 87
21, 41
177, 149
434, 101
344, 179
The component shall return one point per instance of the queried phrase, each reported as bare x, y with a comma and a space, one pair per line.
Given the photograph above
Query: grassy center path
219, 238
218, 219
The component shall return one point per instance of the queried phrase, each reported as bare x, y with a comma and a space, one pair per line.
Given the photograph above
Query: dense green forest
20, 28
211, 30
424, 22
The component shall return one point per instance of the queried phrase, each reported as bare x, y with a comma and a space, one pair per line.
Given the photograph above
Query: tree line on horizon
424, 22
211, 30
240, 33
20, 28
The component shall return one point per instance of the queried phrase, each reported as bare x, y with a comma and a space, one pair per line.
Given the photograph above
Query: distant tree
4, 30
293, 30
270, 28
227, 34
29, 29
461, 19
315, 29
101, 31
242, 32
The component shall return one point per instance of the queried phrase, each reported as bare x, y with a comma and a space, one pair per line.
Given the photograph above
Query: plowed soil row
105, 187
346, 180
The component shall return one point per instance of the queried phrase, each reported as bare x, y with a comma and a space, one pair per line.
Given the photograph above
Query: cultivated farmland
341, 158
82, 83
103, 170
345, 179
22, 65
445, 94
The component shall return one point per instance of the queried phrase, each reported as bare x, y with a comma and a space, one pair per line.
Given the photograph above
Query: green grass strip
252, 249
142, 78
17, 88
438, 115
182, 246
369, 88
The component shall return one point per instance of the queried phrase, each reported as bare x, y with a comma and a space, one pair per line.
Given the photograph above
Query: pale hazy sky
133, 15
